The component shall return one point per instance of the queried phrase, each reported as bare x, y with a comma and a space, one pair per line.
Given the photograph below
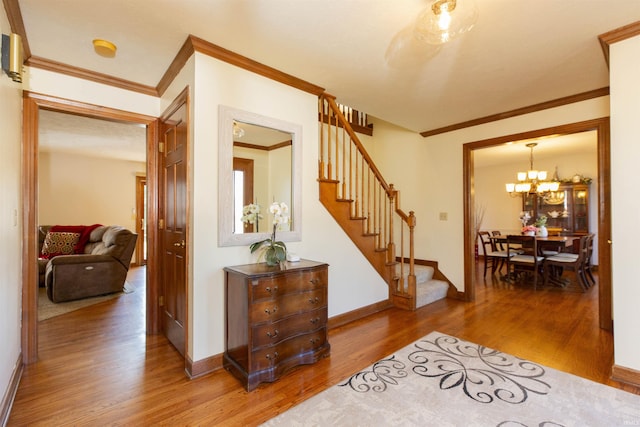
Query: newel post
391, 246
411, 221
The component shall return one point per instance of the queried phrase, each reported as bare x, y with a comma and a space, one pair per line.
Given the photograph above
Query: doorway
601, 126
32, 103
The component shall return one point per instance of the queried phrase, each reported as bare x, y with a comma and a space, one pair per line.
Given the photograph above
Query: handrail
354, 138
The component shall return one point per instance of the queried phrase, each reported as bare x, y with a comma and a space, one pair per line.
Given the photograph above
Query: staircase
368, 209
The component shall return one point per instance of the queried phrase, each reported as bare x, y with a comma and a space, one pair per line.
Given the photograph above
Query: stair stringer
340, 210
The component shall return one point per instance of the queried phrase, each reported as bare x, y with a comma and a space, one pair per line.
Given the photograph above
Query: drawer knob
273, 334
314, 300
315, 320
314, 281
272, 357
271, 311
314, 341
268, 289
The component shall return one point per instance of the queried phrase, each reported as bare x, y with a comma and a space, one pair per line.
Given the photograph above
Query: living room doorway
32, 105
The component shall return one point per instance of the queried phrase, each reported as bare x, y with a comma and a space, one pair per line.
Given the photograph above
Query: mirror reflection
262, 174
259, 162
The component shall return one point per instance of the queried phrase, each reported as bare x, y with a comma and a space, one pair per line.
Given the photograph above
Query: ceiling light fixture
444, 20
532, 181
104, 48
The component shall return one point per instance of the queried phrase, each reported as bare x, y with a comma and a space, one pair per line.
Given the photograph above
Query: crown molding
14, 16
520, 111
58, 67
619, 34
210, 49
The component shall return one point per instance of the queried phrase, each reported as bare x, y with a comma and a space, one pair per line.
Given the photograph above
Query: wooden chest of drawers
276, 319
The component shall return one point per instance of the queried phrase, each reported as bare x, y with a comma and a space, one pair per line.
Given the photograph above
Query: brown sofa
98, 267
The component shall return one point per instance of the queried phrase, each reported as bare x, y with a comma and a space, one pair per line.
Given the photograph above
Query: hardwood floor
97, 366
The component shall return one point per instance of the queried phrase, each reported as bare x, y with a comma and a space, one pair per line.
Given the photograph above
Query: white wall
625, 205
10, 222
353, 283
85, 190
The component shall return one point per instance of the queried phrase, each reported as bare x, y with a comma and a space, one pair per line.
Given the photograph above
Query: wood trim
214, 363
153, 255
263, 147
10, 394
619, 34
625, 375
604, 225
14, 16
49, 102
203, 366
29, 334
178, 62
140, 184
32, 102
210, 49
602, 126
520, 111
81, 73
360, 313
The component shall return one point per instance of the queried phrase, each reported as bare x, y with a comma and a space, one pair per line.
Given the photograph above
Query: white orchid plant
251, 214
274, 252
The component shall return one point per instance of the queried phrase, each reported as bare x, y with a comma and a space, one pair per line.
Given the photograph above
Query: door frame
602, 127
141, 218
31, 104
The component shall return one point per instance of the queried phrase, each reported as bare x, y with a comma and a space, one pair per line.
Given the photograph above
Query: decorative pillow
59, 243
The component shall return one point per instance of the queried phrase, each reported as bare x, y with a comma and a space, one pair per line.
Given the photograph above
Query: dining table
545, 243
562, 242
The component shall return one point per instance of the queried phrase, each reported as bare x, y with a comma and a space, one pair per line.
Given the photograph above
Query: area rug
442, 380
48, 309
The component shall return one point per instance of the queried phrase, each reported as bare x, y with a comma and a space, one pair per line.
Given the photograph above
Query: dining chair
528, 262
498, 245
493, 257
587, 259
589, 279
554, 266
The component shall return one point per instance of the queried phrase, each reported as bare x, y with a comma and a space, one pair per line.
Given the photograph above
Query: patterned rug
441, 380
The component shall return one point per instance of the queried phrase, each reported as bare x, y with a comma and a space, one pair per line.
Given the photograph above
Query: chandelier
444, 20
532, 181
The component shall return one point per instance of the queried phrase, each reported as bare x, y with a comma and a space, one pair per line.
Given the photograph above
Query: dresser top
262, 269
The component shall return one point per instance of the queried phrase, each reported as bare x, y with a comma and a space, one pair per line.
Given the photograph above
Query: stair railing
344, 160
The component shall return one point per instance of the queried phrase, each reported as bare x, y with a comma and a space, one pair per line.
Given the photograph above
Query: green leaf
255, 246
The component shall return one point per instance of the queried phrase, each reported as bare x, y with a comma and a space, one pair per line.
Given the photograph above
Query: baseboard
214, 363
625, 375
351, 316
10, 393
202, 367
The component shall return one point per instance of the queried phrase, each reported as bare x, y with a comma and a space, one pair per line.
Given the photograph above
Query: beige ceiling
520, 53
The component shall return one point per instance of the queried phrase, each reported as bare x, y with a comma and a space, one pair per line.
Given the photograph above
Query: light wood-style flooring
97, 367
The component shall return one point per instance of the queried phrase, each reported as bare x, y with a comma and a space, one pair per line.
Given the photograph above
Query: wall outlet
443, 216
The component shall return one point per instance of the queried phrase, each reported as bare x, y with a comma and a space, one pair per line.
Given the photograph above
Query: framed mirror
259, 162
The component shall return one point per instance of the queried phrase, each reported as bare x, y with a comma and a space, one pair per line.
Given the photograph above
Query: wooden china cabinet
567, 210
276, 319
